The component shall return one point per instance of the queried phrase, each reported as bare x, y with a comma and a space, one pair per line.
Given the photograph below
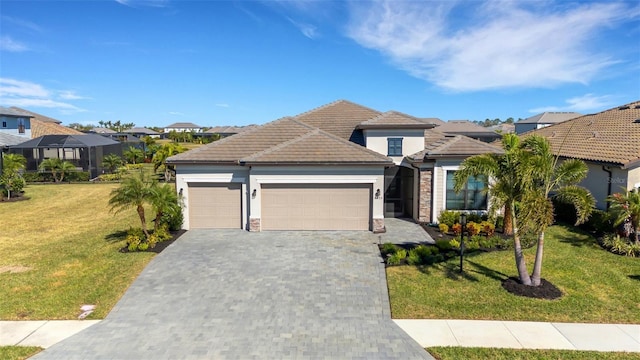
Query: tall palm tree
626, 206
133, 192
506, 188
548, 177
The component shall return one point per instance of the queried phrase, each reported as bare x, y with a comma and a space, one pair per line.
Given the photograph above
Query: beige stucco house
341, 166
608, 142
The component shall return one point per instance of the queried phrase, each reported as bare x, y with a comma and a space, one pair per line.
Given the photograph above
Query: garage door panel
316, 206
215, 205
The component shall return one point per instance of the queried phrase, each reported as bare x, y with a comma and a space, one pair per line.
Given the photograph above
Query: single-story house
183, 127
225, 131
543, 120
102, 131
469, 129
608, 142
341, 166
85, 151
142, 131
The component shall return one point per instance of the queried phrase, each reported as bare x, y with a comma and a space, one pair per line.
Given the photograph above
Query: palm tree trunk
537, 266
507, 226
143, 221
523, 274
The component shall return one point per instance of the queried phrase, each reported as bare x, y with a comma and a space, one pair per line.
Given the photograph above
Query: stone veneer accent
425, 196
254, 224
378, 226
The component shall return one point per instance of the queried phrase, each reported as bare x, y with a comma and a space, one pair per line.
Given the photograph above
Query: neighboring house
103, 131
183, 127
503, 128
543, 120
143, 131
84, 151
467, 128
608, 142
341, 166
225, 131
43, 125
15, 122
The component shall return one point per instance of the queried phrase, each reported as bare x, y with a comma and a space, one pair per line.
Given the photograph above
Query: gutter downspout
608, 171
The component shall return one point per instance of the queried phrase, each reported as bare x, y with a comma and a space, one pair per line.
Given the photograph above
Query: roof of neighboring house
438, 144
44, 125
229, 129
503, 128
395, 120
549, 117
466, 127
68, 141
9, 139
13, 111
339, 118
141, 130
611, 136
101, 130
183, 125
434, 121
37, 116
284, 141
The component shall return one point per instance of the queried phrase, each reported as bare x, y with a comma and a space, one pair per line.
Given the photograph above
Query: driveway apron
227, 294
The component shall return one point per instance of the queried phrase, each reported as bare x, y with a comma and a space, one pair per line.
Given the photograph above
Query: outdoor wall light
253, 194
180, 192
378, 194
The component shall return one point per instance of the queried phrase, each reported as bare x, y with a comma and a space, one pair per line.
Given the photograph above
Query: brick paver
226, 294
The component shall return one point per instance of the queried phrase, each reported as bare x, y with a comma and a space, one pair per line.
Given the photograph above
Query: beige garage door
316, 206
213, 205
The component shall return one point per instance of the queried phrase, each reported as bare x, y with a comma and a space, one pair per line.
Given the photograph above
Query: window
394, 147
20, 126
4, 124
472, 197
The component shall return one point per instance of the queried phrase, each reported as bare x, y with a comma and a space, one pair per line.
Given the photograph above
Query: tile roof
60, 141
101, 130
284, 141
434, 121
462, 126
141, 130
182, 125
395, 119
438, 144
37, 116
40, 128
549, 117
13, 111
611, 136
339, 118
230, 129
9, 139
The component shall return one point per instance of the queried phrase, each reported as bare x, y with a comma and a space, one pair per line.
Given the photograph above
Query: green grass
598, 286
18, 352
456, 353
66, 242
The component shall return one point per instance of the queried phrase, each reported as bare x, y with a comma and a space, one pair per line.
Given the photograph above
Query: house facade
15, 122
608, 142
183, 127
543, 120
341, 166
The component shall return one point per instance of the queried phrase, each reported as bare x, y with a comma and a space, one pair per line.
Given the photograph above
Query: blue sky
156, 62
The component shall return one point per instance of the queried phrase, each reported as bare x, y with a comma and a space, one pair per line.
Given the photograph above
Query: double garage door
284, 206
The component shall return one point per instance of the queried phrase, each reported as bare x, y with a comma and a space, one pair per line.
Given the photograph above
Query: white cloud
144, 3
307, 30
177, 113
70, 95
222, 105
582, 104
30, 95
477, 46
22, 23
8, 44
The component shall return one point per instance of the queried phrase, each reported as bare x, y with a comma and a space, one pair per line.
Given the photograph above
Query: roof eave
202, 162
317, 163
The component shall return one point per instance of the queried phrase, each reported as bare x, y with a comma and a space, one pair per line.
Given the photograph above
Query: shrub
162, 233
498, 242
499, 222
397, 257
457, 229
619, 245
472, 243
173, 218
33, 177
487, 228
444, 228
600, 222
422, 255
78, 176
388, 248
454, 243
134, 166
413, 258
475, 218
443, 245
110, 177
473, 228
449, 217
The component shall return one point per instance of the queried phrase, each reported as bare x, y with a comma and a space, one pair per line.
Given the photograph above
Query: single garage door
316, 206
215, 205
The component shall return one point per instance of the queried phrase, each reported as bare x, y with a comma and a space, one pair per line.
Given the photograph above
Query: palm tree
547, 177
164, 200
161, 156
13, 162
111, 162
627, 207
11, 177
133, 155
57, 167
134, 192
506, 188
65, 167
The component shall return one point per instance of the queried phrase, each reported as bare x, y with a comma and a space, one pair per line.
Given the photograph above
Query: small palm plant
626, 207
111, 162
133, 192
57, 167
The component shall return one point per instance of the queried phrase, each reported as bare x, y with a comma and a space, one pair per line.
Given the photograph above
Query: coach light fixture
253, 194
378, 194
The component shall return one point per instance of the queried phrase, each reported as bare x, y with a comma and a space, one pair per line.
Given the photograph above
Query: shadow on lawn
573, 238
116, 236
634, 277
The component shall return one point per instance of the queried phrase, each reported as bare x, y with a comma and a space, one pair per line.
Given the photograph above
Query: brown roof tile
611, 136
438, 144
40, 128
395, 119
462, 126
38, 116
339, 118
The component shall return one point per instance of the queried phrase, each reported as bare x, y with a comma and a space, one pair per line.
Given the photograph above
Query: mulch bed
546, 290
14, 199
161, 245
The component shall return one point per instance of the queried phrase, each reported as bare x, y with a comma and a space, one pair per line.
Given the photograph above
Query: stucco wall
634, 178
412, 141
597, 182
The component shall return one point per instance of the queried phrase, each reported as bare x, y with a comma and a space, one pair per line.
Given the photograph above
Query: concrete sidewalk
523, 334
465, 333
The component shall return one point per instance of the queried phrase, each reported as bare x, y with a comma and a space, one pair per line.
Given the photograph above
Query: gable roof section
13, 111
549, 117
395, 120
141, 130
183, 125
439, 145
41, 128
37, 116
339, 118
70, 141
284, 141
9, 139
463, 126
101, 130
611, 136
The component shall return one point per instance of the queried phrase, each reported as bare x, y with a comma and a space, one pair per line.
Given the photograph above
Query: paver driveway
226, 294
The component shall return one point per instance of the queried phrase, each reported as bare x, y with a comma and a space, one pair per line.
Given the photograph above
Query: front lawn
597, 286
18, 352
60, 251
455, 353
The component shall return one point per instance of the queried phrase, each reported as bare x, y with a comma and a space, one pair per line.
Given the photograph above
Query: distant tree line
488, 122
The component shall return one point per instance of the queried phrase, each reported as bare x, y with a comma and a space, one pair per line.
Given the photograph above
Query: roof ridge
335, 102
389, 112
282, 144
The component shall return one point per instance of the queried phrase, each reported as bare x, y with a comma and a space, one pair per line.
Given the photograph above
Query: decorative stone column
426, 195
378, 226
254, 224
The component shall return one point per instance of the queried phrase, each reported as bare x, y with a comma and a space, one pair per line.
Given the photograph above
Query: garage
215, 205
316, 206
